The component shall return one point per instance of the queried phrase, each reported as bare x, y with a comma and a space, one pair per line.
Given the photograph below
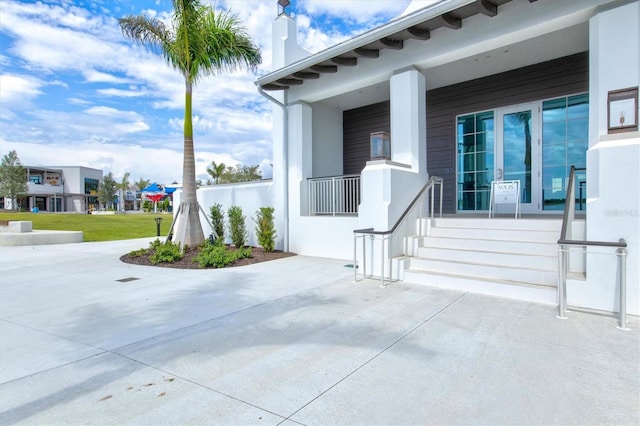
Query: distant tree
124, 186
241, 174
107, 191
141, 184
13, 178
197, 41
216, 171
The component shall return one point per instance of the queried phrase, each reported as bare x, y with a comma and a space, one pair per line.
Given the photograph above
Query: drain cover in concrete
126, 280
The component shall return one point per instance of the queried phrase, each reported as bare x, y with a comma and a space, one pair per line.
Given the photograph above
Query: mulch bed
257, 255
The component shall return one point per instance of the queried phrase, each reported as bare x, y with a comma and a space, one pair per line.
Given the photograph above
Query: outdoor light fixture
622, 110
380, 146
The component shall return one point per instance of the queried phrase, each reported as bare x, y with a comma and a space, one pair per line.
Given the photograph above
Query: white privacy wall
248, 196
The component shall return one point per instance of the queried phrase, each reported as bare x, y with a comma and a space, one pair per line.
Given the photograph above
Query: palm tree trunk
188, 227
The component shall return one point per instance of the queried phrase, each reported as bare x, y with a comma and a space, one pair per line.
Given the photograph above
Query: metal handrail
388, 234
563, 261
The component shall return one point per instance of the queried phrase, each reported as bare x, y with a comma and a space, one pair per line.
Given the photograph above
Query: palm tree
124, 186
215, 171
198, 42
142, 183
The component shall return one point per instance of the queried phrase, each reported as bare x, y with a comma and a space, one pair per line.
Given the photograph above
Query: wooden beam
274, 86
367, 53
289, 81
392, 44
325, 68
451, 21
305, 75
488, 8
349, 62
419, 34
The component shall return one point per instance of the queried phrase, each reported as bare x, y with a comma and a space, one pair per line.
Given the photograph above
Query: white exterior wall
323, 236
248, 196
74, 178
327, 141
613, 176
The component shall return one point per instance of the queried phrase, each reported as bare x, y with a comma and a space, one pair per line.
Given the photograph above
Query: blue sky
74, 92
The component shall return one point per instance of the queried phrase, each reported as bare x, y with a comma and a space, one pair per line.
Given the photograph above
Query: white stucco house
476, 93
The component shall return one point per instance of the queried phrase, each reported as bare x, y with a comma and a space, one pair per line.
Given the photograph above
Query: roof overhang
418, 25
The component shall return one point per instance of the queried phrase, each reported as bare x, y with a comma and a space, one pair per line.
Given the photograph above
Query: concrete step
485, 271
546, 224
534, 248
525, 235
497, 258
501, 288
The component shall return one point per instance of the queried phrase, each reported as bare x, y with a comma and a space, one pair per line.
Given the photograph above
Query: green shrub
155, 244
147, 206
237, 227
166, 253
217, 220
139, 252
265, 228
218, 255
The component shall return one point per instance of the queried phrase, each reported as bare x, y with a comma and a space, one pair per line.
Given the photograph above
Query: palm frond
150, 33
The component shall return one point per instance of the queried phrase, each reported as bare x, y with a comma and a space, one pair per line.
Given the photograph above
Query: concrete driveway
86, 339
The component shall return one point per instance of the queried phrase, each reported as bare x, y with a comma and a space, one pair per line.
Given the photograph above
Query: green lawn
97, 227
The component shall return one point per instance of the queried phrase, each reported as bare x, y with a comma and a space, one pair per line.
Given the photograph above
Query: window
475, 144
36, 179
91, 186
565, 139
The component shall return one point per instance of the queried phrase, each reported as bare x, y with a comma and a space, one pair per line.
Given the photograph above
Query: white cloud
81, 94
19, 89
134, 93
360, 11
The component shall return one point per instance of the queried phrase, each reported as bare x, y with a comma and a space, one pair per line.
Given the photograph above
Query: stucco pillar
300, 157
408, 119
613, 191
389, 186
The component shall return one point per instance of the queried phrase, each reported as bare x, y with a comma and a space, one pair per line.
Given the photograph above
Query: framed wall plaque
622, 110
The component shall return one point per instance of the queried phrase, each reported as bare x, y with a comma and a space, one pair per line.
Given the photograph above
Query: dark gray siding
358, 123
550, 79
555, 78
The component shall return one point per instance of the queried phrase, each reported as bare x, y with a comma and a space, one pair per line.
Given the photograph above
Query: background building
60, 189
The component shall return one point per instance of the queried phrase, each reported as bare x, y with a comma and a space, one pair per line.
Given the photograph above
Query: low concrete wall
17, 226
36, 238
21, 233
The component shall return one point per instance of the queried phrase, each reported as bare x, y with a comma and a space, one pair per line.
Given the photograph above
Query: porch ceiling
390, 36
550, 46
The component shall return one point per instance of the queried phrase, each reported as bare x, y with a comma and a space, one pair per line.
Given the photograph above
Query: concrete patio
86, 339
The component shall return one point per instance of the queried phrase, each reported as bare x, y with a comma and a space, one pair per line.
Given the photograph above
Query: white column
389, 187
300, 157
613, 189
408, 119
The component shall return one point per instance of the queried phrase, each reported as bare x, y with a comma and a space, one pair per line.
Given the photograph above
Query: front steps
515, 258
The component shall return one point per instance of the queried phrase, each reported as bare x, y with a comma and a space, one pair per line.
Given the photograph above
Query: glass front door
534, 143
517, 152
